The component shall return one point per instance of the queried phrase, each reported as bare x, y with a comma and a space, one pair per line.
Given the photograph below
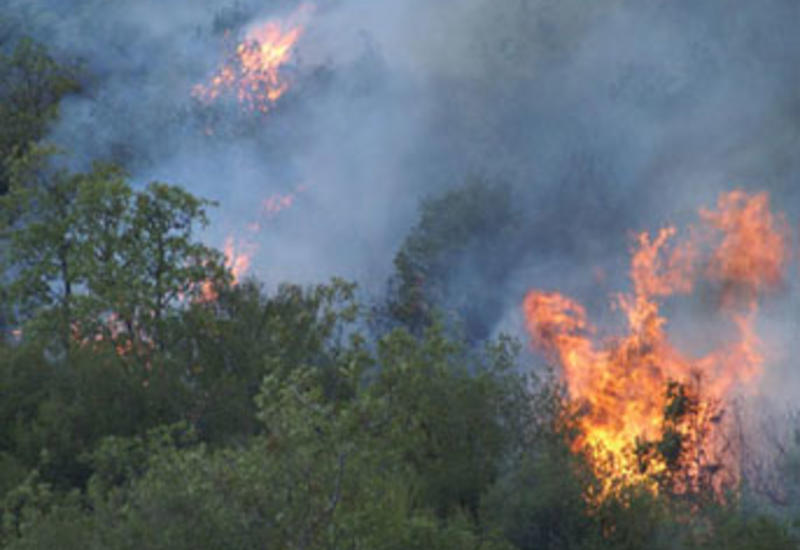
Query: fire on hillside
253, 72
648, 412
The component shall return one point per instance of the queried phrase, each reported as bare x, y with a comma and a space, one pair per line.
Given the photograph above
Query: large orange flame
253, 73
626, 386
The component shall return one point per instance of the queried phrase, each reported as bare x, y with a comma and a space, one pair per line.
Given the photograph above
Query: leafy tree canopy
32, 84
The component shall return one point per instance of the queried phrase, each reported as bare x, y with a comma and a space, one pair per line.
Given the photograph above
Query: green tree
153, 265
444, 411
40, 219
346, 460
98, 277
32, 84
230, 344
55, 413
451, 261
735, 529
87, 256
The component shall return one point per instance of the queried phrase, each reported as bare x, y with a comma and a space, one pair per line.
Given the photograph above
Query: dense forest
153, 396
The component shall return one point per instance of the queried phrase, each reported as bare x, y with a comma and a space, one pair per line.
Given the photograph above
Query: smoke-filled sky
604, 117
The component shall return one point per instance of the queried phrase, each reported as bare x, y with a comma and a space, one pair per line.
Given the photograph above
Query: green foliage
443, 411
372, 450
100, 276
151, 403
90, 257
39, 220
57, 413
230, 344
164, 264
732, 531
466, 230
31, 85
538, 503
33, 512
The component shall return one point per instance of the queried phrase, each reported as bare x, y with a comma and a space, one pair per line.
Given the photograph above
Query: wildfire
637, 392
253, 73
237, 262
123, 335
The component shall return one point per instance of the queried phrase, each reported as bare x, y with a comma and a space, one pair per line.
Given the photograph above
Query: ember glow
253, 72
627, 386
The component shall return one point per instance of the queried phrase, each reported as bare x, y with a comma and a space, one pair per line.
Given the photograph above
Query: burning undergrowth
649, 412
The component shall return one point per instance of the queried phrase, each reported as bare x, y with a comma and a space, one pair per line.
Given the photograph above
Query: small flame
253, 74
237, 262
741, 249
112, 329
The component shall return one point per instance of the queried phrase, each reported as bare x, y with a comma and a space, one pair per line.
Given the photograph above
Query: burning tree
650, 413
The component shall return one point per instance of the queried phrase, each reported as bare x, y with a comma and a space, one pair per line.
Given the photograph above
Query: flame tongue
238, 263
741, 249
752, 254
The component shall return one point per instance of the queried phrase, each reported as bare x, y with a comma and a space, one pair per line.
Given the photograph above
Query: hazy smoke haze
605, 118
